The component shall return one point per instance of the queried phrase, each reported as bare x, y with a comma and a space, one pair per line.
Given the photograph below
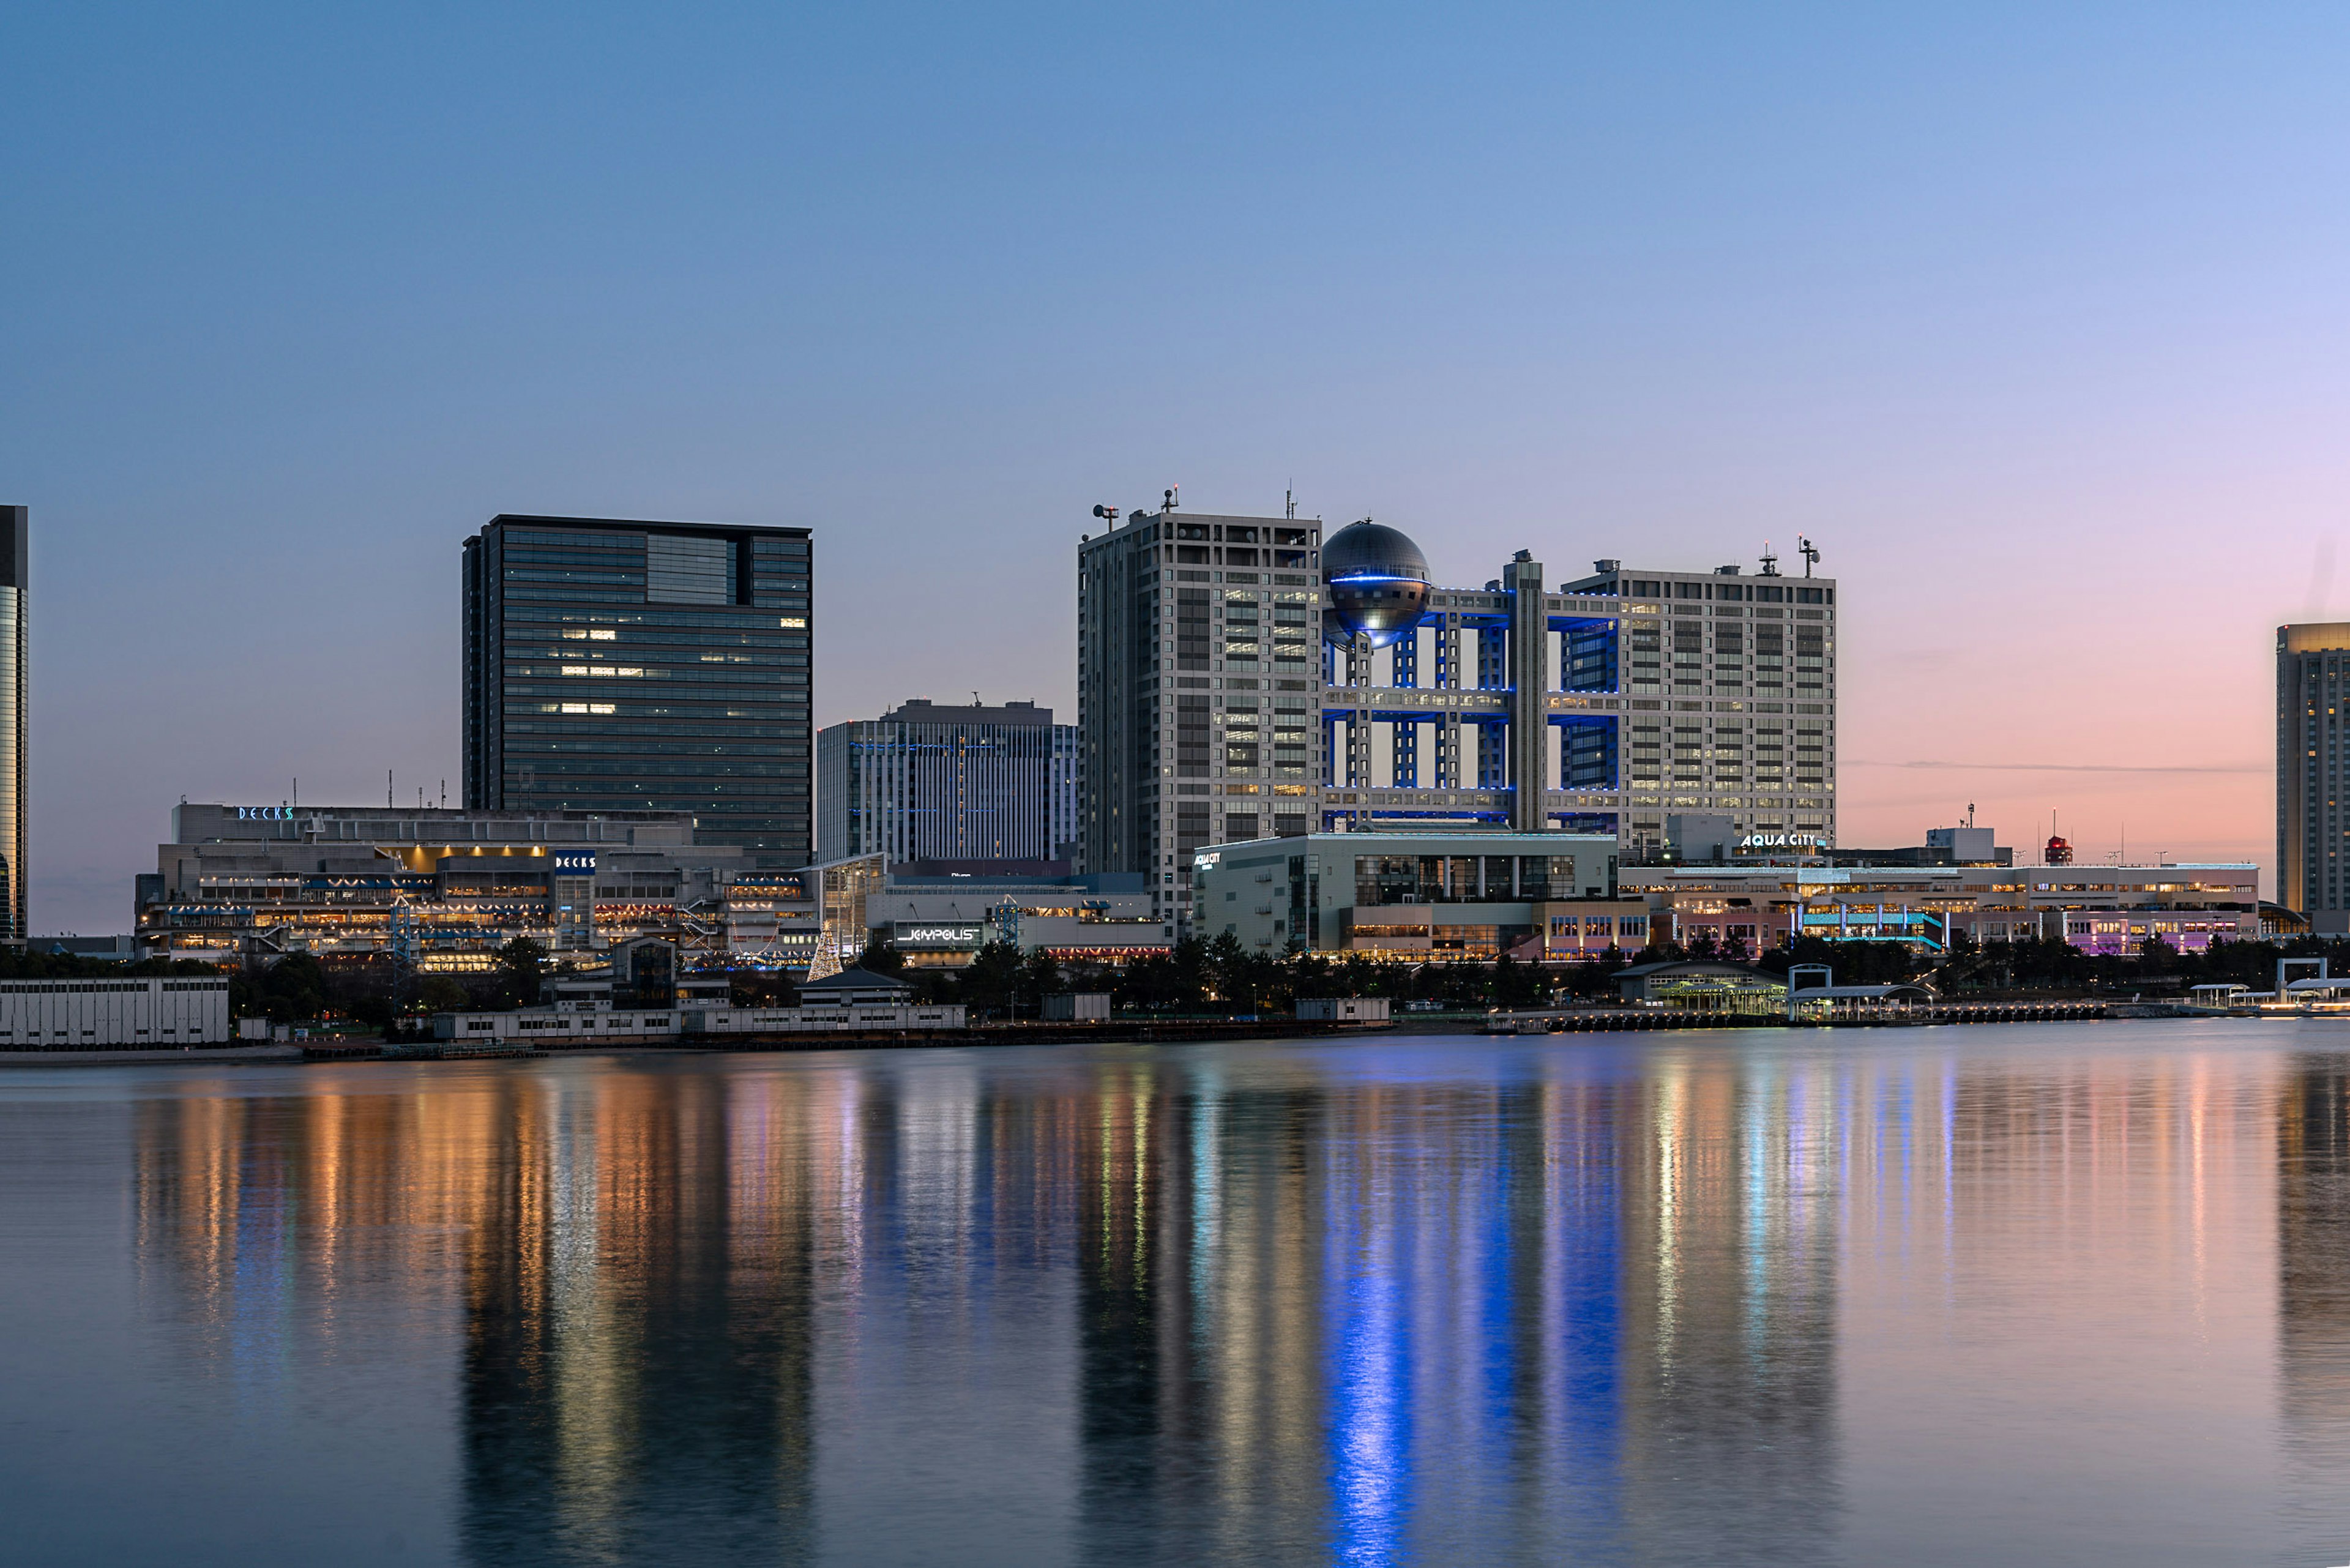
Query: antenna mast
1810, 553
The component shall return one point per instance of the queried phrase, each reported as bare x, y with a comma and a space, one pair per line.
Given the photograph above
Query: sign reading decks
573, 862
1762, 843
265, 813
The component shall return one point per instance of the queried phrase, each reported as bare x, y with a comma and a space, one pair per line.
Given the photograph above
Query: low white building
574, 1027
1343, 1009
147, 1013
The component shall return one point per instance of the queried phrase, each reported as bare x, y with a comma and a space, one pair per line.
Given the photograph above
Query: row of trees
1222, 977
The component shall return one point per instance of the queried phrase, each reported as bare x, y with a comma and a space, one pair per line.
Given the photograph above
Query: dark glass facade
13, 582
614, 665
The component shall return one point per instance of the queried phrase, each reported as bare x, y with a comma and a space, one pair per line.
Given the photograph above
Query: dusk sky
2035, 323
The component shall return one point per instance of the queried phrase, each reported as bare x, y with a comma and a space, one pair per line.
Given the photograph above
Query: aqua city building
1333, 685
615, 665
2313, 812
13, 580
936, 781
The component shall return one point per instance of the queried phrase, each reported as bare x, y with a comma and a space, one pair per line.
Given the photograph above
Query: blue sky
2035, 322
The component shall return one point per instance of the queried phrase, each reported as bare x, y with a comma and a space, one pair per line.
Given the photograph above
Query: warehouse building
153, 1013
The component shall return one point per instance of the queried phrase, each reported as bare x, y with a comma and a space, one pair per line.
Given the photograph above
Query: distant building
120, 949
931, 782
1753, 908
2313, 812
14, 581
940, 919
1699, 838
241, 883
612, 665
1428, 897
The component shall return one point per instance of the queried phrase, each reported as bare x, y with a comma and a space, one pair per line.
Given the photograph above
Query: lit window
794, 622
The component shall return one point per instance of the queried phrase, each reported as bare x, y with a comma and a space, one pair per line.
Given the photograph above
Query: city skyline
2038, 341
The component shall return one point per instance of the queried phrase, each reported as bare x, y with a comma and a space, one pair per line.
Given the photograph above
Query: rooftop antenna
1970, 813
1289, 502
1108, 515
1170, 496
1770, 560
387, 789
1810, 553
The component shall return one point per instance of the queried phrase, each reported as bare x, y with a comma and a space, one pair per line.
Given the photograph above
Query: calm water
2054, 1294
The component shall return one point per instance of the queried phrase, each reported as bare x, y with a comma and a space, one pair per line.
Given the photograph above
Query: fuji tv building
1243, 679
1603, 705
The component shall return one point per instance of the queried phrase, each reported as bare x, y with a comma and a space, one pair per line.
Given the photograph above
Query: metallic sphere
1377, 582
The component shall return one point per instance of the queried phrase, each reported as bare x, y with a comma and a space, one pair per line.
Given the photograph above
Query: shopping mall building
448, 887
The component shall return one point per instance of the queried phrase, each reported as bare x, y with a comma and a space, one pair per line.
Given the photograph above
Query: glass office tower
619, 665
13, 582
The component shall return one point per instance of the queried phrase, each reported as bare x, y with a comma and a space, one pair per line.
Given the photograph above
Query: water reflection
1440, 1303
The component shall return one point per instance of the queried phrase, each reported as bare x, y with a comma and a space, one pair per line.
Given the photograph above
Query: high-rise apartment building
13, 580
617, 665
1198, 675
931, 782
2312, 815
1215, 709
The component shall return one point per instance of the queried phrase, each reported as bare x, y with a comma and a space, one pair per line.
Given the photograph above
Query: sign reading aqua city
1765, 843
573, 862
265, 813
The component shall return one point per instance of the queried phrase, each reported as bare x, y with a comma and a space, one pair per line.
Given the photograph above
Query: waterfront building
16, 580
2312, 870
1197, 687
615, 665
1755, 907
928, 782
153, 1013
1212, 711
939, 919
445, 888
1429, 896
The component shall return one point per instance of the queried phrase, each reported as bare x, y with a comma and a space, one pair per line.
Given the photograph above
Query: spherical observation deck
1377, 582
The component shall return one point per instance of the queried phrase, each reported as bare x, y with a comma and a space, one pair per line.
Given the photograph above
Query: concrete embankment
278, 1052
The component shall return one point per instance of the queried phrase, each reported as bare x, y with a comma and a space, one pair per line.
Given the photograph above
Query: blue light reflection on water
1435, 1301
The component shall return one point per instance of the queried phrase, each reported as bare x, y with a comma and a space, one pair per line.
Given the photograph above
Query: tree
293, 990
1040, 976
993, 979
440, 993
518, 966
1518, 985
748, 987
879, 957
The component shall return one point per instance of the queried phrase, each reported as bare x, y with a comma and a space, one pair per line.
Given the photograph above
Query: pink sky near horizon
2032, 318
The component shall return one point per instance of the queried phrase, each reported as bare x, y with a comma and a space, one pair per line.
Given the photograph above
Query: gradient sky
2035, 323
